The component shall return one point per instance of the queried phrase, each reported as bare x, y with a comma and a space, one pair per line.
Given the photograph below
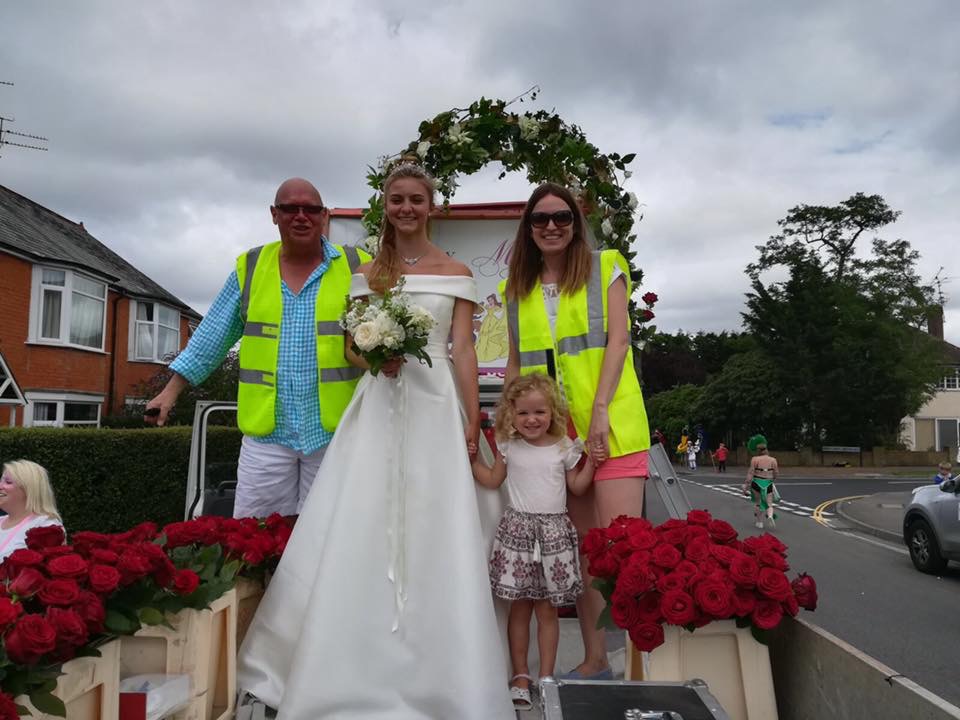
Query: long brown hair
503, 427
385, 268
526, 259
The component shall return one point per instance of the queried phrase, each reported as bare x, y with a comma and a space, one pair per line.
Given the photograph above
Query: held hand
598, 439
471, 436
391, 368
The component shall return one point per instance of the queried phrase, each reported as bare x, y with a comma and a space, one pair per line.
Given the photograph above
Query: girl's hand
471, 435
391, 368
598, 438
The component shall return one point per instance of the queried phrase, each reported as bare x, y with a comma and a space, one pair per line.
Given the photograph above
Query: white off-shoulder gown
381, 606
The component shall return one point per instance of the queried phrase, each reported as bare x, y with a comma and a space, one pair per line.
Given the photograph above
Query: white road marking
783, 506
909, 482
875, 541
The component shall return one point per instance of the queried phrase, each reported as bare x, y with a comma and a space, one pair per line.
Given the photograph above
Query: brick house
936, 426
80, 327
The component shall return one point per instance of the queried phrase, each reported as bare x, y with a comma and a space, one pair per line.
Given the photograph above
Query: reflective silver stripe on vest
258, 329
329, 327
353, 257
533, 358
340, 374
257, 377
595, 336
252, 256
513, 320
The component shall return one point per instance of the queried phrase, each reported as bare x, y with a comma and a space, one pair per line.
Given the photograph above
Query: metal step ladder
666, 482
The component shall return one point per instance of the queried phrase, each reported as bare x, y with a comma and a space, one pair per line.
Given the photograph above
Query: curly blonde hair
520, 386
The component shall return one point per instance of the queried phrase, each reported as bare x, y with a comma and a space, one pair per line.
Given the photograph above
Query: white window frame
61, 400
155, 323
954, 376
35, 333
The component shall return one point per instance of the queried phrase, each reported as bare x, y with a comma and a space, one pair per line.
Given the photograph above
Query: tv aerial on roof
22, 140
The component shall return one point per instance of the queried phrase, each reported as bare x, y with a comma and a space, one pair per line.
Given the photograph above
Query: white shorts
273, 478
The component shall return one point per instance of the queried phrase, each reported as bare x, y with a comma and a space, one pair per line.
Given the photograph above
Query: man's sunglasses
562, 218
287, 209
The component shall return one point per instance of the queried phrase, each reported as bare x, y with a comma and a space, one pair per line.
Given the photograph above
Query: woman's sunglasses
561, 218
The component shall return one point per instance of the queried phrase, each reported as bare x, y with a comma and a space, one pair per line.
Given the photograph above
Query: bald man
282, 302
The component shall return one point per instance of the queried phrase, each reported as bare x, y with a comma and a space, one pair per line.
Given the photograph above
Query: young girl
534, 561
761, 474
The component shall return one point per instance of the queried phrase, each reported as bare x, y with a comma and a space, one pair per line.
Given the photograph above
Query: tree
220, 385
672, 410
748, 396
842, 330
680, 359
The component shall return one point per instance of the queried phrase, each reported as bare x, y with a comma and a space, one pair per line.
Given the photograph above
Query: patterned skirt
535, 556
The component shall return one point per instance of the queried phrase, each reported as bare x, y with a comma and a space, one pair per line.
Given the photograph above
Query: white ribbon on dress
397, 502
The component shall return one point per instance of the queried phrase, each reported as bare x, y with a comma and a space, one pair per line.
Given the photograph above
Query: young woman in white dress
381, 607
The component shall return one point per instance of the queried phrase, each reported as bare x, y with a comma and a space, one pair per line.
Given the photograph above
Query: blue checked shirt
298, 423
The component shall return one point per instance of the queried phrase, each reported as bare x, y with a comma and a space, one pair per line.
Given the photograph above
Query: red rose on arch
68, 566
649, 298
647, 635
30, 639
45, 536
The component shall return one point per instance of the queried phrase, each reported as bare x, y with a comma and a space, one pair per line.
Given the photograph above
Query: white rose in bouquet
389, 330
366, 335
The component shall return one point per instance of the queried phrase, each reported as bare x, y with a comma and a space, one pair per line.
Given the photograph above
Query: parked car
931, 526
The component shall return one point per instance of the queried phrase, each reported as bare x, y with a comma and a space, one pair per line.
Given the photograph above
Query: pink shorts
625, 466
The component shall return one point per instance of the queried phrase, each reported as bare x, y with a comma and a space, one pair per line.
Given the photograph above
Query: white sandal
521, 696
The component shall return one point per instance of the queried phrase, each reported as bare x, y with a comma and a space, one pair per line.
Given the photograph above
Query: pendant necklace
413, 260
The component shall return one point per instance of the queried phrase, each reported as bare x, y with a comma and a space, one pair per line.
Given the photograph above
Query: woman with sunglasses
567, 317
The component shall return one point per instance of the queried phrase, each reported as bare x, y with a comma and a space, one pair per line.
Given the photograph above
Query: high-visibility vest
576, 353
261, 309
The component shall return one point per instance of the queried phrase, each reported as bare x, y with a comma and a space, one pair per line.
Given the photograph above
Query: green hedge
109, 480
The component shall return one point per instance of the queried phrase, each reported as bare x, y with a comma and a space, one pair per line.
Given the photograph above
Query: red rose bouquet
689, 573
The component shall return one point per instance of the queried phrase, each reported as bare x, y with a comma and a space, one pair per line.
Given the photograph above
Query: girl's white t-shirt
15, 538
537, 476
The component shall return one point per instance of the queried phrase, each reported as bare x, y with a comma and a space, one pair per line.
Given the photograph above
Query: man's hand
158, 409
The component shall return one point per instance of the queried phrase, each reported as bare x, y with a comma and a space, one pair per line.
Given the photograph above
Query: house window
156, 335
951, 381
67, 410
69, 308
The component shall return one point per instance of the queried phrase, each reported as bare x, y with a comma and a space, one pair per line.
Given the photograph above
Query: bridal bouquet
387, 326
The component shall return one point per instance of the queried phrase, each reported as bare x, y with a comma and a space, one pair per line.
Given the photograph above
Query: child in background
721, 457
943, 473
534, 562
692, 449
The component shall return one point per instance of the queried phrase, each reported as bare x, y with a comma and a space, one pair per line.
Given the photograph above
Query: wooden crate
249, 594
90, 687
202, 644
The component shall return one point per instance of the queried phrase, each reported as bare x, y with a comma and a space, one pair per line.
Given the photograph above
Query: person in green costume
761, 474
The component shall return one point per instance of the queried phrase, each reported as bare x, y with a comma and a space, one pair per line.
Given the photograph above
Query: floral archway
461, 141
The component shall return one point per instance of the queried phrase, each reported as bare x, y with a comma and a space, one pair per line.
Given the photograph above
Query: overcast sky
172, 122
